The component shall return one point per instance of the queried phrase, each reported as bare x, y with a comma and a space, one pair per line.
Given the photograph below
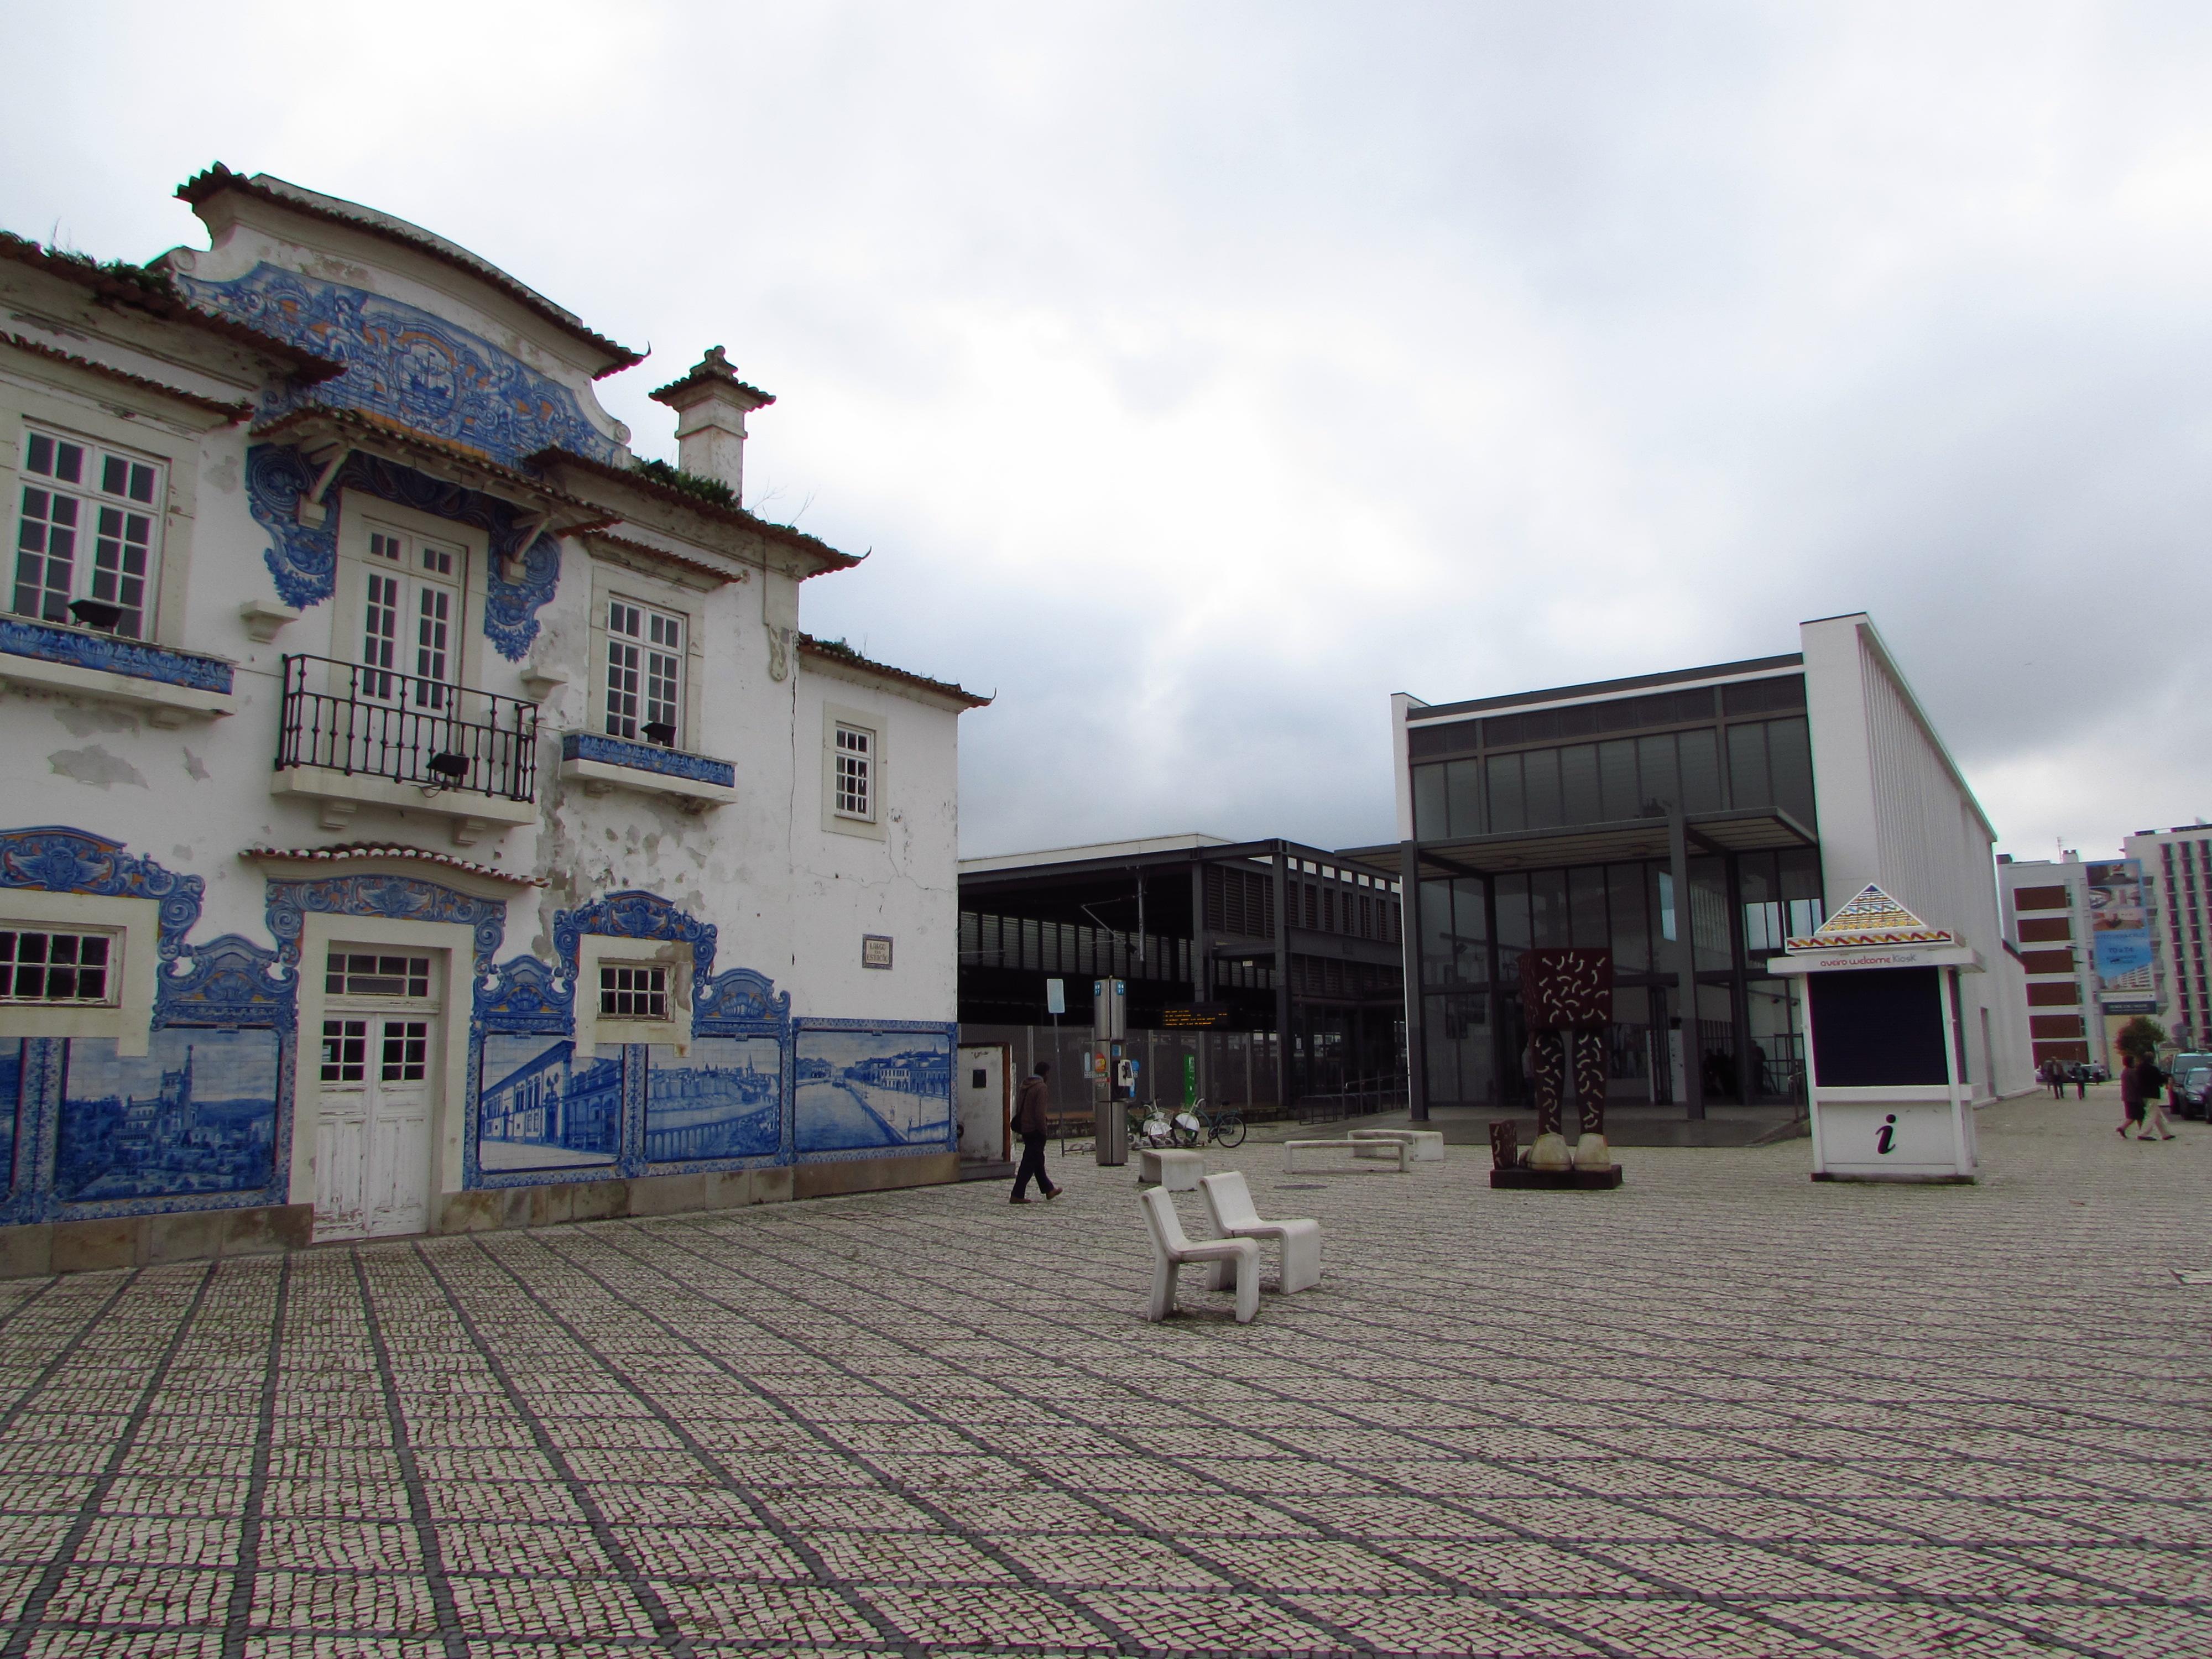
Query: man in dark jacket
2150, 1089
1033, 1123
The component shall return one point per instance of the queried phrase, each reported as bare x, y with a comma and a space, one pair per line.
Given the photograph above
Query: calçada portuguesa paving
1722, 1411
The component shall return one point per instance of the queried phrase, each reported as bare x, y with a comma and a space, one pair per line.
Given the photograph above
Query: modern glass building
1691, 822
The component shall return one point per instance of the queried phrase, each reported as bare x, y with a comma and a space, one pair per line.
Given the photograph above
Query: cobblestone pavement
1722, 1411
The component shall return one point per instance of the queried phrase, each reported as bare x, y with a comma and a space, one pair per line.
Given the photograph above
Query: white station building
425, 814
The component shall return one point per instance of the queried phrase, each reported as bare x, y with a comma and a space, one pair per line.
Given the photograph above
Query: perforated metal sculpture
1566, 997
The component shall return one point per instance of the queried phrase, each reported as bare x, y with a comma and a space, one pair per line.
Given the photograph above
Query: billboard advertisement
2119, 926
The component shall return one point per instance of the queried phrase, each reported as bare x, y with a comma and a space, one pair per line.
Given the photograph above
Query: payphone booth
1886, 1052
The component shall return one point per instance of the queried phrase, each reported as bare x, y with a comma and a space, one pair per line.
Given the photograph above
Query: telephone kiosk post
1885, 1054
1113, 1073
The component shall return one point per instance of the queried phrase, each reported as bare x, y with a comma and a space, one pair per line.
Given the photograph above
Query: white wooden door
379, 1076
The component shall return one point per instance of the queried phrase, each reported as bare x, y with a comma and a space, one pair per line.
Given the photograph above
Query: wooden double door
380, 1069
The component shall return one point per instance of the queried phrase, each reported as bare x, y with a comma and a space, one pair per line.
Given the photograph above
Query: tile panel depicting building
409, 787
2050, 913
1691, 822
1222, 944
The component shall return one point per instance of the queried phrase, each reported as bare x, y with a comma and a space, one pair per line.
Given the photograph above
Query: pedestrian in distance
2081, 1080
2054, 1075
2131, 1106
2150, 1089
1033, 1123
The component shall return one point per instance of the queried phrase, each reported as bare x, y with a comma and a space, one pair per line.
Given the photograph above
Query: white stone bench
1177, 1171
1229, 1204
1171, 1248
1357, 1148
1428, 1144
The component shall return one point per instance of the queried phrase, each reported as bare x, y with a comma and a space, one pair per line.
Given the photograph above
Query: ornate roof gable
407, 365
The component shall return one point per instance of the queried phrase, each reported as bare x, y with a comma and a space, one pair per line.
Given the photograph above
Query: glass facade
1733, 747
1740, 753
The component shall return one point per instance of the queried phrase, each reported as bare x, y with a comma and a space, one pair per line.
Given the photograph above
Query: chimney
711, 404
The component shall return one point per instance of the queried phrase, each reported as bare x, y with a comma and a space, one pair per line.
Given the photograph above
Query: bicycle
1194, 1125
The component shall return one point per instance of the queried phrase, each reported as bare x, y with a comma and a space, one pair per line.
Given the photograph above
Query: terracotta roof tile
646, 484
353, 852
838, 651
140, 289
234, 412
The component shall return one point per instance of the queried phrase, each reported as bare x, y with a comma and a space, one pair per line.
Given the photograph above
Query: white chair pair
1234, 1257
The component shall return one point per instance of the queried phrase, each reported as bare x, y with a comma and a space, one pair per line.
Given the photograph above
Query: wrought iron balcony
367, 722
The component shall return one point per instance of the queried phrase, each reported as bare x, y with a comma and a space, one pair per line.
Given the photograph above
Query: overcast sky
1201, 374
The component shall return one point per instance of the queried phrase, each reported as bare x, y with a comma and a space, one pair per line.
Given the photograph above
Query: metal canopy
1749, 830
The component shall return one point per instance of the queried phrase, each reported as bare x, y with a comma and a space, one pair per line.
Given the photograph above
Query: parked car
2187, 1082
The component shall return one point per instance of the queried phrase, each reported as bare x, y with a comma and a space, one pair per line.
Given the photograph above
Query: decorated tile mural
724, 1099
196, 1114
543, 1108
11, 1097
866, 1088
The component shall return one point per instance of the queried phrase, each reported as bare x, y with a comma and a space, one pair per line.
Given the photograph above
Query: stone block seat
1229, 1204
1172, 1247
1402, 1151
1164, 1166
1428, 1144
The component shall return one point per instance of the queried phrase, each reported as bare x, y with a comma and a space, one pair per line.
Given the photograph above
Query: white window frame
875, 725
595, 1030
111, 969
658, 662
612, 583
360, 517
92, 499
134, 961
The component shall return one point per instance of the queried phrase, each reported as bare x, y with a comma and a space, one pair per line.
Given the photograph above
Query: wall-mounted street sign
1193, 1016
875, 951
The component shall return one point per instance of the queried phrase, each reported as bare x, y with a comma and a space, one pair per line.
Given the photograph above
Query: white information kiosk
1885, 1049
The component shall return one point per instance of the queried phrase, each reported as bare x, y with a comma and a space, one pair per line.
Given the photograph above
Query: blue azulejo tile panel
407, 365
11, 1104
858, 1088
647, 757
542, 1108
723, 1099
196, 1114
78, 649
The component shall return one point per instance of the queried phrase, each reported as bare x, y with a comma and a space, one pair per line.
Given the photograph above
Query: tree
2139, 1038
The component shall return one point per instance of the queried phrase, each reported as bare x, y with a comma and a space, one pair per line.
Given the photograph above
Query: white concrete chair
1177, 1171
1171, 1248
1229, 1203
1428, 1144
1400, 1150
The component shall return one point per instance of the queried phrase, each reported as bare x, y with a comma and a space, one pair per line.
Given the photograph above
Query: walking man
2131, 1106
2054, 1075
2150, 1089
1033, 1123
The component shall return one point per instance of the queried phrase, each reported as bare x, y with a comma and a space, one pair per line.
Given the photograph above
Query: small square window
633, 991
51, 967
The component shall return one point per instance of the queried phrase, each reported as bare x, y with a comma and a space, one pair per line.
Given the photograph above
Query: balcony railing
377, 723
